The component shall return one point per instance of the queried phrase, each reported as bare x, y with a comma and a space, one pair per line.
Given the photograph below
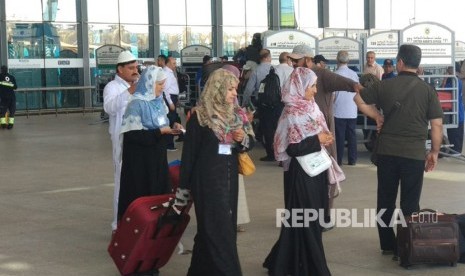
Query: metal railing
56, 109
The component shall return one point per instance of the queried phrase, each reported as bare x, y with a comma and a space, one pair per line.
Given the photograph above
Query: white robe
115, 101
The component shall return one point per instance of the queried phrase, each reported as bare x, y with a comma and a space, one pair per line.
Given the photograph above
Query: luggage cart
448, 98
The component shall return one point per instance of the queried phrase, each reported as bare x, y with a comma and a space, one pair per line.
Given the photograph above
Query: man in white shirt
283, 69
371, 67
345, 113
115, 99
171, 94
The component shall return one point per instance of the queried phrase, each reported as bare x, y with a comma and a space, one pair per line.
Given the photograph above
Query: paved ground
56, 192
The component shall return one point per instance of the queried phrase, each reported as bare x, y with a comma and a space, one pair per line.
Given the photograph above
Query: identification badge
224, 149
261, 88
161, 121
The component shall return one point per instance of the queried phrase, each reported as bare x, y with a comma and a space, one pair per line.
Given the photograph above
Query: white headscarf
145, 110
300, 118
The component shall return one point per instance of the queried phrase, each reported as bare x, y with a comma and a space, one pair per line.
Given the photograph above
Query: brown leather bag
429, 237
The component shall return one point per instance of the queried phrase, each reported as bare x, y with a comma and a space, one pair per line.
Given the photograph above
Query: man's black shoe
387, 252
267, 159
10, 126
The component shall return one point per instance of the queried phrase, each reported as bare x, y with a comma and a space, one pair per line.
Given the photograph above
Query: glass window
103, 11
288, 13
33, 40
241, 19
233, 39
134, 11
256, 13
173, 12
66, 11
16, 10
198, 12
401, 14
306, 13
345, 15
101, 34
68, 36
172, 40
199, 36
234, 13
136, 39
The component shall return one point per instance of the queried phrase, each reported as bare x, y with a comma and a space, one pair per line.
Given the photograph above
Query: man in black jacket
7, 98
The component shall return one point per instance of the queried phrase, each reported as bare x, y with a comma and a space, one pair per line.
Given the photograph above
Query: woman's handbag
335, 173
245, 166
335, 176
315, 163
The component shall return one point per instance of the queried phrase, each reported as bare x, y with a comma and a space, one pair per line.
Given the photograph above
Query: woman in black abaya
215, 134
145, 125
301, 130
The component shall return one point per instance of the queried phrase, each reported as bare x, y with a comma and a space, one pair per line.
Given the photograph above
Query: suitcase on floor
147, 234
429, 238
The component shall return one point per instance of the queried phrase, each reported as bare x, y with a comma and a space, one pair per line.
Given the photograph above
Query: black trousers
8, 104
392, 172
268, 123
345, 130
173, 117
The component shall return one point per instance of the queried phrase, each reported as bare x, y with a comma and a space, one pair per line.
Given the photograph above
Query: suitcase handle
167, 204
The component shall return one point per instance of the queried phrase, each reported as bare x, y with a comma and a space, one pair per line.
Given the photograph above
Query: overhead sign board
459, 50
328, 47
436, 41
384, 44
107, 56
194, 54
285, 40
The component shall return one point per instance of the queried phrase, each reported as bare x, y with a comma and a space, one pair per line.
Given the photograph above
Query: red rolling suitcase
428, 238
147, 234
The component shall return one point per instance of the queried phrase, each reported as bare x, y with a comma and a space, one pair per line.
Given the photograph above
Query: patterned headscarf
145, 110
300, 118
213, 110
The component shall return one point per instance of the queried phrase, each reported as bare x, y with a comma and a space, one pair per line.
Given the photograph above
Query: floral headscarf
145, 110
300, 118
213, 110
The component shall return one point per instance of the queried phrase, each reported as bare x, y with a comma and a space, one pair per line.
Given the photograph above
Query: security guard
7, 98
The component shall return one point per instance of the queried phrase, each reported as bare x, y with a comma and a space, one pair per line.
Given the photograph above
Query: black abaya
299, 250
212, 179
144, 170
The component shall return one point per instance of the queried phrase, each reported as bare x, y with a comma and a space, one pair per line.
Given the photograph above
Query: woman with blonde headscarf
301, 130
215, 134
144, 129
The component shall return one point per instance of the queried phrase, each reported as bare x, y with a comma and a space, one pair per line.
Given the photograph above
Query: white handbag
315, 163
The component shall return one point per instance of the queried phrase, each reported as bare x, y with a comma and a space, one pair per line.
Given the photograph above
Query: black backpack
269, 92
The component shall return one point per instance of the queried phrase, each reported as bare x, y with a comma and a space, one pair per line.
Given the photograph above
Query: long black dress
144, 170
299, 251
213, 181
